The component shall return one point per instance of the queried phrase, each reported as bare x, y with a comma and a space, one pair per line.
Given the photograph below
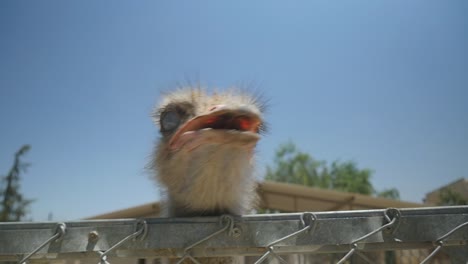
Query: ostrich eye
170, 120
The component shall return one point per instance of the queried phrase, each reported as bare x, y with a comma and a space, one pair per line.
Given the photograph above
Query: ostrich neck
212, 180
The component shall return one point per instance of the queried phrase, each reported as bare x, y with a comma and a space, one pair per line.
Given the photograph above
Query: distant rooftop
287, 198
459, 186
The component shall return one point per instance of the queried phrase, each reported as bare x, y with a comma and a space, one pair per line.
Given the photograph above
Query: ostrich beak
222, 125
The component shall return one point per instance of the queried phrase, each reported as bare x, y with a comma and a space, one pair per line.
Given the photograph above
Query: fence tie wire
440, 242
60, 230
308, 220
433, 234
228, 223
391, 221
140, 233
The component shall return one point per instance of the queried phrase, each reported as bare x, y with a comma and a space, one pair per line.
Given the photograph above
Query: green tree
13, 205
389, 193
450, 197
294, 166
347, 177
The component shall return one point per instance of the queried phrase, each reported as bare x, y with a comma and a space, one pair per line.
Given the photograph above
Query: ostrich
204, 157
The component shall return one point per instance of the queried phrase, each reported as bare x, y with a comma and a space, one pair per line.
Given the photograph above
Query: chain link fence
423, 235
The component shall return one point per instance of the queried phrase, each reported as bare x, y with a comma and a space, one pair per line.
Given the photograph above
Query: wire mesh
423, 235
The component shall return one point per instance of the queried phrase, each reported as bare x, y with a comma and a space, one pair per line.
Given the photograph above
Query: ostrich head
204, 157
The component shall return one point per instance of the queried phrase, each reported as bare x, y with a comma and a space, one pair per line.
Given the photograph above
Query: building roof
459, 186
287, 198
461, 181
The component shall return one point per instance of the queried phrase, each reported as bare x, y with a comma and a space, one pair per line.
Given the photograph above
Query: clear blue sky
383, 83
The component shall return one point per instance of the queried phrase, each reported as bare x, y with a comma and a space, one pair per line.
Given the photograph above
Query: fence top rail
407, 212
315, 232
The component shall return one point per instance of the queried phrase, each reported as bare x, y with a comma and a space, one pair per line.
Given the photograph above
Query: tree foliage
294, 166
13, 205
450, 197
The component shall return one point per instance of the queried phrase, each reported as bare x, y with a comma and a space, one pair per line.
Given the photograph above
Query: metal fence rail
265, 236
